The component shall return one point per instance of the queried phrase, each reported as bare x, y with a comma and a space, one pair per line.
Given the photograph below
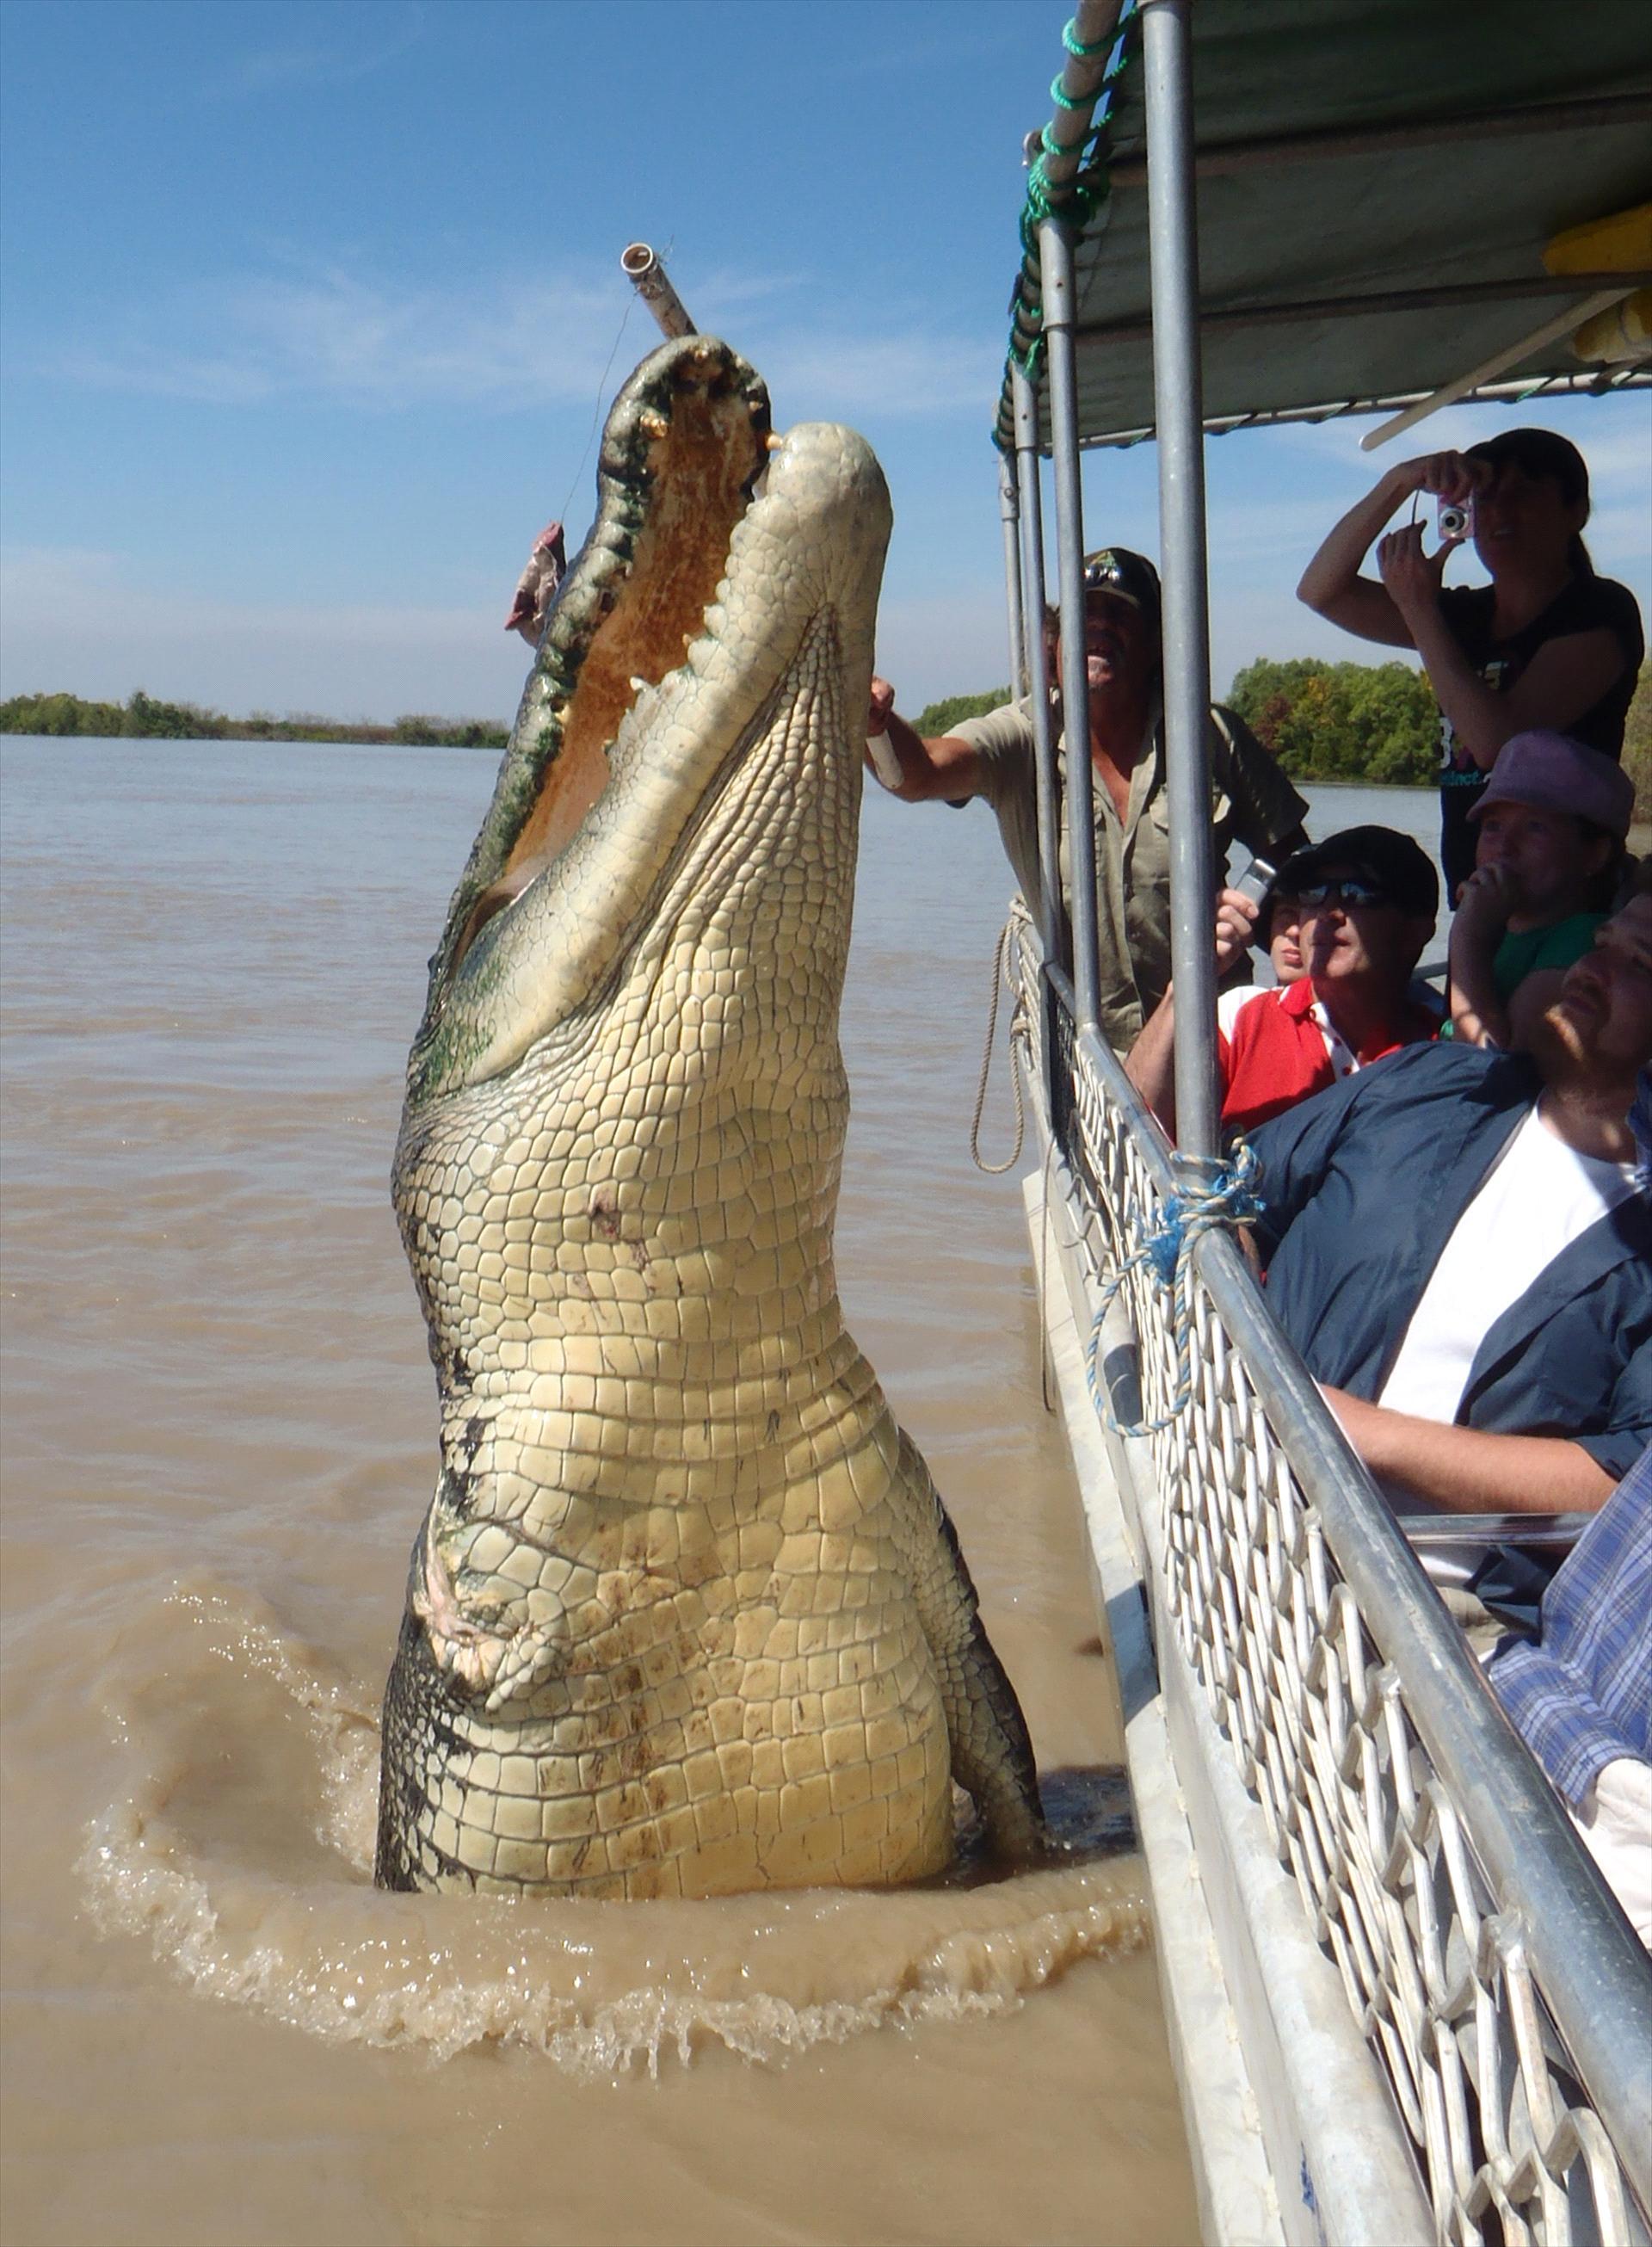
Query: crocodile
686, 1615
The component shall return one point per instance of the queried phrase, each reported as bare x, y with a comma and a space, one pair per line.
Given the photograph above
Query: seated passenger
1367, 901
1460, 1246
991, 757
1550, 829
1581, 1693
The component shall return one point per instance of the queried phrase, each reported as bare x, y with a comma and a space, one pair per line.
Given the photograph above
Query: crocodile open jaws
686, 1615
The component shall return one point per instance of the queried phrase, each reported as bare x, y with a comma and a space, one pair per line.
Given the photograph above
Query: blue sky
310, 312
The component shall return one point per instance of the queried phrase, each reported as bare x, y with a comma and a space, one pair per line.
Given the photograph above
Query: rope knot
1229, 1199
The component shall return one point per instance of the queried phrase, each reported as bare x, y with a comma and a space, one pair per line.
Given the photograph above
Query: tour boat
1401, 2002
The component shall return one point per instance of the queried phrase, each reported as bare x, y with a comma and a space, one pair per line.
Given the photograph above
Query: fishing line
596, 416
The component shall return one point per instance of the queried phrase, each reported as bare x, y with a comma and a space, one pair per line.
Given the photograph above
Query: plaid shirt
1581, 1692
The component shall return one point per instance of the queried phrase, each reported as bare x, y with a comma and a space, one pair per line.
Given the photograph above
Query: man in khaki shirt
1251, 801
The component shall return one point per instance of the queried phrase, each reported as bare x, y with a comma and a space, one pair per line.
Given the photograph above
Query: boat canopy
1378, 184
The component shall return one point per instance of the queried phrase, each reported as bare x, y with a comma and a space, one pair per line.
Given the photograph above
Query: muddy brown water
219, 1439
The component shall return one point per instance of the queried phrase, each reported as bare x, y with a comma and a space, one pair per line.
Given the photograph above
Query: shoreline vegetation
1368, 724
143, 718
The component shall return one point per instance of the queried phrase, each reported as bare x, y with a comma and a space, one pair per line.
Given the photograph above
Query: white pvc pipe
1448, 393
643, 269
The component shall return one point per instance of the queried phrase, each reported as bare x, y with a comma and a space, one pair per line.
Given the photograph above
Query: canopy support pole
1178, 403
1009, 513
1052, 921
1056, 279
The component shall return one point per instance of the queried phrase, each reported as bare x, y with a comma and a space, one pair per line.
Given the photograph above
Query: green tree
59, 714
1395, 722
146, 719
1342, 721
941, 717
143, 717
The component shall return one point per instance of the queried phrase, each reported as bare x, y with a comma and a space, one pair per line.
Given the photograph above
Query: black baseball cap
1390, 862
1131, 577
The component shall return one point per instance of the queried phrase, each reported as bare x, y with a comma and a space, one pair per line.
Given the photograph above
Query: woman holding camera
1547, 643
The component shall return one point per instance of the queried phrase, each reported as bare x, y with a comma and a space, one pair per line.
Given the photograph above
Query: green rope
1029, 357
1079, 201
1076, 201
1083, 49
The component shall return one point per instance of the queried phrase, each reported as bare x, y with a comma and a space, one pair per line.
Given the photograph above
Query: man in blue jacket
1458, 1242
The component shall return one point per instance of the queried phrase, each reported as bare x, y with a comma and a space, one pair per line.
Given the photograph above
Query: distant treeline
143, 718
941, 717
1380, 722
1376, 722
1324, 721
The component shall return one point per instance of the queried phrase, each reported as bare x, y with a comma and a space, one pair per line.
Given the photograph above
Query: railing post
1009, 514
1055, 276
1177, 408
1052, 918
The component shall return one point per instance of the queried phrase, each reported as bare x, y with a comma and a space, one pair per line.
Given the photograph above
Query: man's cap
1131, 577
1550, 772
1390, 862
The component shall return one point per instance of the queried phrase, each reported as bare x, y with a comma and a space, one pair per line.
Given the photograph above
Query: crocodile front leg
991, 1752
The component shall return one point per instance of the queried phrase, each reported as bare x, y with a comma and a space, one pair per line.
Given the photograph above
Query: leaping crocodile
686, 1615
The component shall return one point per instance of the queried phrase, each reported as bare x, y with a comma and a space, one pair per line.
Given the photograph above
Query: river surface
220, 1432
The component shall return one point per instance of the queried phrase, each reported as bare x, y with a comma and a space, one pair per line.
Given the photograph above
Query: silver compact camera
1256, 881
1456, 518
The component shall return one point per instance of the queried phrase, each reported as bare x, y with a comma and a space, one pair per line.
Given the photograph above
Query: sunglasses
1106, 578
1347, 890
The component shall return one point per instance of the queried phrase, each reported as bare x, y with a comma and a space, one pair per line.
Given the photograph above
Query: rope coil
1230, 1199
1020, 1030
1083, 49
1079, 201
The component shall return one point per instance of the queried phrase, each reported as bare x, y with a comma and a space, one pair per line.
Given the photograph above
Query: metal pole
1173, 240
1055, 275
1009, 513
647, 275
1052, 919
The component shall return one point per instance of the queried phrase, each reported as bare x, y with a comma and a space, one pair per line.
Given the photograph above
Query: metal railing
1499, 1988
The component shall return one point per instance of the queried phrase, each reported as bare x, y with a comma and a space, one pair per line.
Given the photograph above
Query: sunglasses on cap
1111, 569
1344, 889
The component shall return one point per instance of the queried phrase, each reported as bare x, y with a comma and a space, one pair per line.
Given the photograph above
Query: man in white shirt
1459, 1245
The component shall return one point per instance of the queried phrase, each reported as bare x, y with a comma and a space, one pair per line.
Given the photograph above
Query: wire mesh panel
1329, 1734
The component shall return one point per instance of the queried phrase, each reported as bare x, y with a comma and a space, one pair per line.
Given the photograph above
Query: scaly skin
686, 1615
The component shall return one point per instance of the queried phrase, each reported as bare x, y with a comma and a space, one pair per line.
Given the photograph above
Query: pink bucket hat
1553, 773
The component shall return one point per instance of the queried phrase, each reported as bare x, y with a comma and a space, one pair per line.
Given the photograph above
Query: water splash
242, 1848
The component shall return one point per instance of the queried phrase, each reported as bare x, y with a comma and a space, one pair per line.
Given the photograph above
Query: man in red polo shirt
1368, 898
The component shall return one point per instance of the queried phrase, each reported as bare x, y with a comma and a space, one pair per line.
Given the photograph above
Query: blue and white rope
1229, 1200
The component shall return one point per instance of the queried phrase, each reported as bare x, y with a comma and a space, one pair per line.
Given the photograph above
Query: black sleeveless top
1587, 604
